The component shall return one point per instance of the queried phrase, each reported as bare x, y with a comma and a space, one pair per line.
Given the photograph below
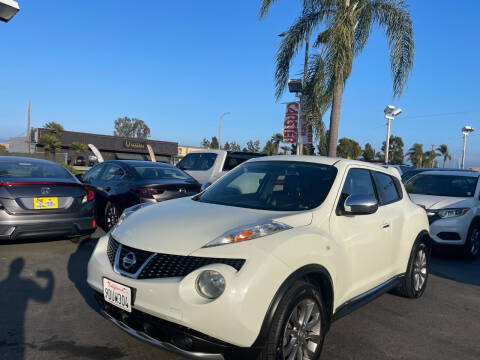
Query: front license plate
117, 294
41, 203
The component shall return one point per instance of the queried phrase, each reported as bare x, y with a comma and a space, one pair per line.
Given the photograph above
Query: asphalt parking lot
47, 312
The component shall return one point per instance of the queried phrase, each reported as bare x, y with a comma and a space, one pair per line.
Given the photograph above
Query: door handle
385, 226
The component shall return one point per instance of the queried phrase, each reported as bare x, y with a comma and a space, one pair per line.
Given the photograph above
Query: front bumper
450, 231
232, 320
21, 229
171, 337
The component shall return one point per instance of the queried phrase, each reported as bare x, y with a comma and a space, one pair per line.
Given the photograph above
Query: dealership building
111, 147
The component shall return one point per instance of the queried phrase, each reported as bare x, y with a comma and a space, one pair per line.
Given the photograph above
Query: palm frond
393, 16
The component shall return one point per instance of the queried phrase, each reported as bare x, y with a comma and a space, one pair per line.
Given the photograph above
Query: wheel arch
312, 273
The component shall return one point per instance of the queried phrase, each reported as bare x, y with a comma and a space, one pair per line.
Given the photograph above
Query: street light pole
220, 129
390, 113
465, 131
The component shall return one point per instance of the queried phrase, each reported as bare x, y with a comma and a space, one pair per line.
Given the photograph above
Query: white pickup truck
209, 165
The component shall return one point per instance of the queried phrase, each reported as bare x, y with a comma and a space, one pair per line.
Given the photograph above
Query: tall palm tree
54, 127
276, 140
415, 155
443, 152
285, 148
345, 28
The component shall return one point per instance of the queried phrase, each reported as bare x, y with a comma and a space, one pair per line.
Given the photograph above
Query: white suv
259, 264
452, 201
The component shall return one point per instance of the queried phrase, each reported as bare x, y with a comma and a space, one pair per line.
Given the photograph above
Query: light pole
296, 86
390, 113
220, 129
8, 9
465, 131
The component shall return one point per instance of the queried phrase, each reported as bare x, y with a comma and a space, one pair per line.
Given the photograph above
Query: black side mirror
206, 185
360, 205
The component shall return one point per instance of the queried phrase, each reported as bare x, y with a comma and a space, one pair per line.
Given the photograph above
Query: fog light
210, 284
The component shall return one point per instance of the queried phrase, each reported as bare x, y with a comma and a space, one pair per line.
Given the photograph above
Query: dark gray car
40, 198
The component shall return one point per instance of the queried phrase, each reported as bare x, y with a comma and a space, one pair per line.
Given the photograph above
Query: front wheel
415, 281
472, 245
298, 327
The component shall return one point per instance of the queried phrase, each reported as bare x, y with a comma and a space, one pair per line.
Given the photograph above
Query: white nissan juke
258, 265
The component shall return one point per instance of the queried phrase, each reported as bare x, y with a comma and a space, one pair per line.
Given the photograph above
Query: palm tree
285, 149
348, 25
50, 144
79, 148
415, 155
276, 140
54, 127
443, 152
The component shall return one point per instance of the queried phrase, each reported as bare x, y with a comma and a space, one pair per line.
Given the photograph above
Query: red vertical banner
290, 123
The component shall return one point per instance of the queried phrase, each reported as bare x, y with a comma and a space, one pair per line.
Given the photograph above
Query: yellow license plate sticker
41, 203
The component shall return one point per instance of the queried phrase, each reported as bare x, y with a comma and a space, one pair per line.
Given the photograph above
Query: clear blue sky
179, 65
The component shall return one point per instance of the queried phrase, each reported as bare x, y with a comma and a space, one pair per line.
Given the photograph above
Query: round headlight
210, 284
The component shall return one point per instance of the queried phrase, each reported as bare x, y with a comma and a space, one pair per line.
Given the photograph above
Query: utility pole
220, 130
465, 131
29, 137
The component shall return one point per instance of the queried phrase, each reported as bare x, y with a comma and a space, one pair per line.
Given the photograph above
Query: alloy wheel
475, 242
111, 216
302, 333
420, 270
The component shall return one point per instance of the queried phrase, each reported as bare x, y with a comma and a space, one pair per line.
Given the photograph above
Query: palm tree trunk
335, 118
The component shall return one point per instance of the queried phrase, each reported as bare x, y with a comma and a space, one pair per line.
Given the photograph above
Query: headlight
448, 213
210, 284
248, 232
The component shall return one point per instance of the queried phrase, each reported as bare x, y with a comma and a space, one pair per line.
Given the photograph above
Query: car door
361, 238
390, 193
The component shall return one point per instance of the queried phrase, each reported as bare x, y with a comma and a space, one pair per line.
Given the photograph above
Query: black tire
277, 346
111, 215
472, 245
418, 270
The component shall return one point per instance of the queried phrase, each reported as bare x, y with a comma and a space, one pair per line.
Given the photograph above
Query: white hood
440, 202
182, 226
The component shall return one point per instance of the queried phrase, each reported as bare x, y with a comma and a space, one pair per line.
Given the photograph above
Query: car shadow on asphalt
77, 270
450, 264
16, 292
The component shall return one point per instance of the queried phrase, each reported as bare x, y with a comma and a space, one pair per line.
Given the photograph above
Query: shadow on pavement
449, 263
77, 270
15, 294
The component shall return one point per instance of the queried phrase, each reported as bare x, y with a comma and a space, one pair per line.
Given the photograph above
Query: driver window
358, 182
113, 172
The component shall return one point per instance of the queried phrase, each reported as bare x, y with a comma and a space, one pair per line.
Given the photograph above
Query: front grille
164, 265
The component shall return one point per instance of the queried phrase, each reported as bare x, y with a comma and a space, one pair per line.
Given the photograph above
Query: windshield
160, 172
197, 161
442, 185
273, 185
32, 169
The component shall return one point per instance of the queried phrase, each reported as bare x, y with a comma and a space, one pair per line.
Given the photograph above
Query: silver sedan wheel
111, 216
420, 270
302, 333
475, 242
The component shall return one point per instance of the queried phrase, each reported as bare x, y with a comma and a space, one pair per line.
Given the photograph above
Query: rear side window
197, 161
387, 188
233, 161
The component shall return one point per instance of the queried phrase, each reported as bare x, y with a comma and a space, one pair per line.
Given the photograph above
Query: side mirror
79, 177
206, 185
360, 205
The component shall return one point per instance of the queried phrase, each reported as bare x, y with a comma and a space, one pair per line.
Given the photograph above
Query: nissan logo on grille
129, 260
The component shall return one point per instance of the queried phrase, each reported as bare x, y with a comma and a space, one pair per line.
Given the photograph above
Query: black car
40, 198
119, 184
